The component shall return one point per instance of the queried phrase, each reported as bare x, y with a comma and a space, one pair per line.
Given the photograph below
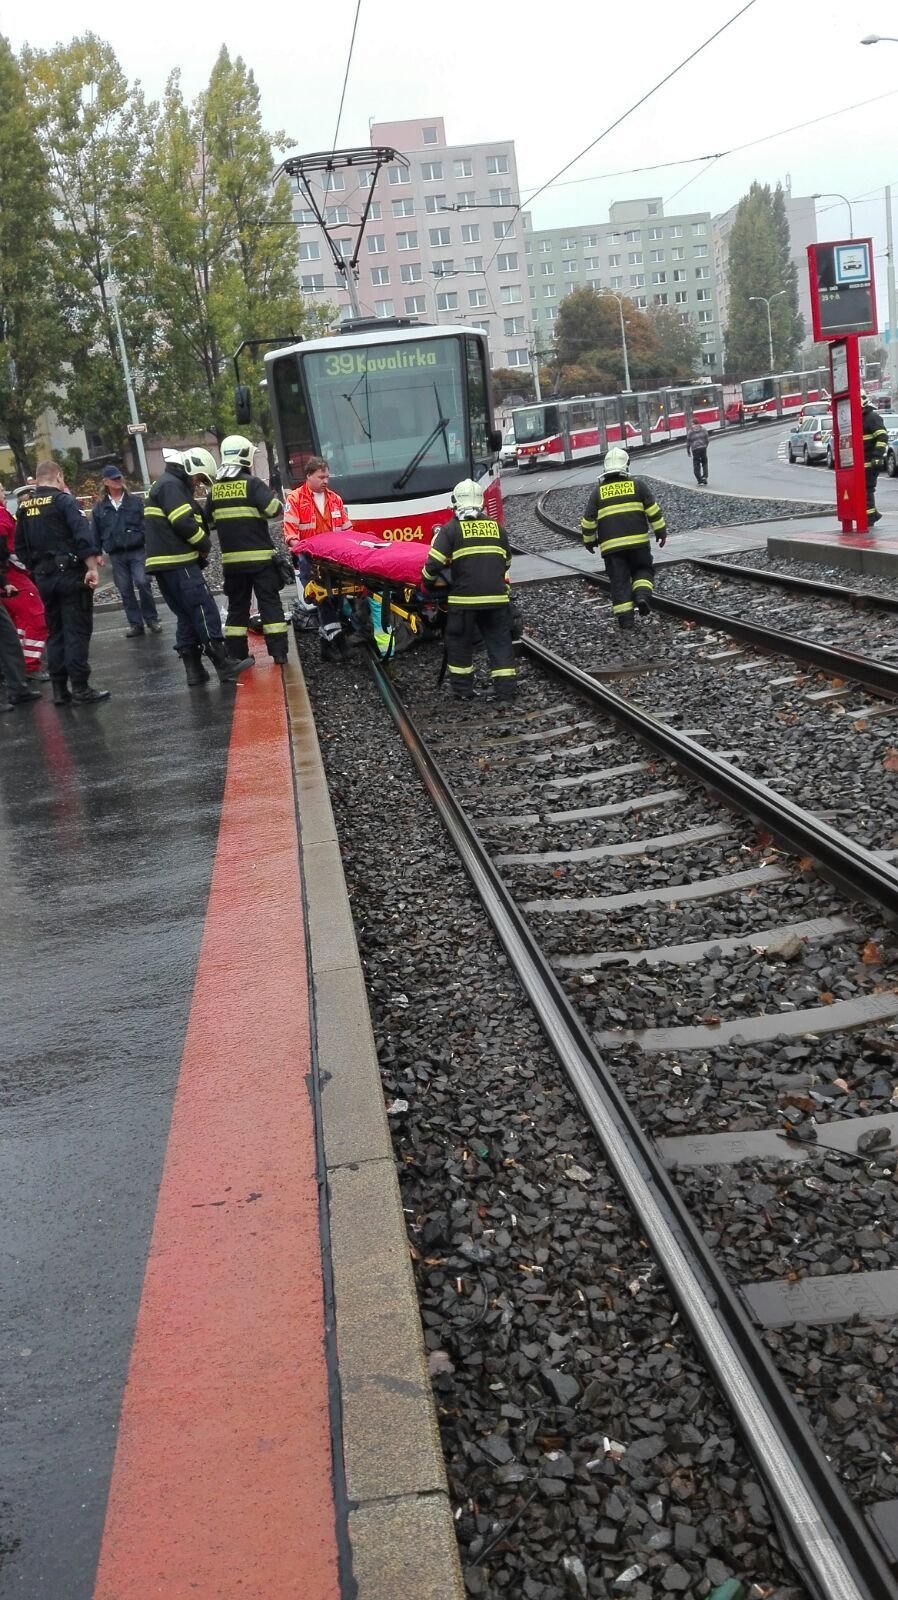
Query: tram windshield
535, 422
757, 391
386, 417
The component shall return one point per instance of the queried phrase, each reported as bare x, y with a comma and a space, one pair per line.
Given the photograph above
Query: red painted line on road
222, 1484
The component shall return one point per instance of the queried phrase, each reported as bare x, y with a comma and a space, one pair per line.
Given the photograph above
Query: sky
553, 78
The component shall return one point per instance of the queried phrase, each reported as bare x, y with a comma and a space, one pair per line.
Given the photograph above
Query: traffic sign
137, 427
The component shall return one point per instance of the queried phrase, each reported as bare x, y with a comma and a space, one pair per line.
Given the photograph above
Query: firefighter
241, 506
621, 515
178, 546
470, 554
876, 448
56, 546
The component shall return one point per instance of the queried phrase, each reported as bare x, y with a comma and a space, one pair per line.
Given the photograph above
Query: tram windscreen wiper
440, 427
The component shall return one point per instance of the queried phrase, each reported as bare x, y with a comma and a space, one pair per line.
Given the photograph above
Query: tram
563, 431
781, 394
400, 410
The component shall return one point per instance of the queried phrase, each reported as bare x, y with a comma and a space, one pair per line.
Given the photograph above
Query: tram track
826, 1537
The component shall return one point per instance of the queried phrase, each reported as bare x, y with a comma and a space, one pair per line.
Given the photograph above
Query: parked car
808, 441
815, 408
508, 455
890, 422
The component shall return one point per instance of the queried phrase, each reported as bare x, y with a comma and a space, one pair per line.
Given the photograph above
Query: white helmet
173, 458
199, 463
467, 496
616, 460
865, 398
237, 452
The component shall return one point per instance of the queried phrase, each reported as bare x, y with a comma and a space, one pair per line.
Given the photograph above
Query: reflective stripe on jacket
472, 552
241, 508
620, 512
174, 529
876, 438
302, 519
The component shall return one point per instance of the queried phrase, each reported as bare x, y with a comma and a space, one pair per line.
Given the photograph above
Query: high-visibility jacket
472, 552
302, 518
241, 508
876, 438
621, 512
174, 528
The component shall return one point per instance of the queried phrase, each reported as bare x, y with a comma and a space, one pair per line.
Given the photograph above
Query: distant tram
560, 432
780, 395
400, 410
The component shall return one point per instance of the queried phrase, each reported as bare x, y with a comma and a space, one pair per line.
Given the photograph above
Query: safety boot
84, 695
62, 694
227, 668
193, 666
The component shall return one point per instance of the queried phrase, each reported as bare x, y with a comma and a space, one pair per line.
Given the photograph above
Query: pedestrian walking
620, 517
876, 448
177, 545
311, 509
119, 529
697, 440
478, 597
56, 545
241, 507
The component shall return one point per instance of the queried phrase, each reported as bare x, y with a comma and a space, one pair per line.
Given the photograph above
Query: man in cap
118, 525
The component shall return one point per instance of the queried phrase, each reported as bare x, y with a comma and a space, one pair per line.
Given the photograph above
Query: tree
678, 352
760, 266
31, 333
507, 383
589, 356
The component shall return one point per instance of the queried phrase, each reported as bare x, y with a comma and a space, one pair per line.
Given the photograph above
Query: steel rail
825, 1536
787, 580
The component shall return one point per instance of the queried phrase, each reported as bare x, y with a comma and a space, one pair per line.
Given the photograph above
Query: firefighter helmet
173, 458
236, 451
616, 460
865, 398
467, 496
199, 463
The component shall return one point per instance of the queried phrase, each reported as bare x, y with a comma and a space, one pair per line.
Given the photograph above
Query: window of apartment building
500, 197
568, 267
660, 299
698, 230
375, 211
703, 272
569, 244
470, 233
408, 241
679, 274
706, 316
444, 268
411, 272
377, 244
591, 241
344, 248
656, 255
709, 358
380, 277
507, 263
447, 300
614, 261
706, 338
530, 269
517, 358
366, 179
656, 233
592, 264
431, 171
476, 297
465, 199
632, 236
594, 283
685, 318
306, 219
700, 250
310, 250
681, 298
635, 258
640, 302
383, 308
532, 292
430, 135
545, 246
496, 165
440, 236
333, 182
463, 168
703, 294
678, 253
528, 247
503, 230
473, 263
549, 291
483, 326
510, 294
616, 282
571, 288
614, 238
337, 215
659, 277
675, 232
403, 208
653, 208
514, 326
311, 282
434, 203
551, 312
637, 280
547, 269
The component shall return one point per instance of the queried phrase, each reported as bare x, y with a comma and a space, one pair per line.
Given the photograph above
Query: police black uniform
54, 541
876, 448
241, 507
471, 552
621, 515
177, 543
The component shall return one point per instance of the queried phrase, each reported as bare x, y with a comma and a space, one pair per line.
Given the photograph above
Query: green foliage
508, 381
760, 265
589, 356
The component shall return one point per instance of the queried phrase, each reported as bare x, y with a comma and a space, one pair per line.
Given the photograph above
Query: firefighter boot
62, 695
193, 666
227, 668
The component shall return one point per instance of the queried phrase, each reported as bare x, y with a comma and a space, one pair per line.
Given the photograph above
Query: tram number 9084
403, 533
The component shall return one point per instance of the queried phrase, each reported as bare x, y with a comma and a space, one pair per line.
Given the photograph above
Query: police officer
621, 514
471, 554
241, 507
55, 544
876, 448
178, 545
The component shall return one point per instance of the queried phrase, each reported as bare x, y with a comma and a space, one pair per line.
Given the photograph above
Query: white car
508, 454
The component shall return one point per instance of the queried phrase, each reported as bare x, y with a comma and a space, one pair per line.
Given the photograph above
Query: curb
400, 1520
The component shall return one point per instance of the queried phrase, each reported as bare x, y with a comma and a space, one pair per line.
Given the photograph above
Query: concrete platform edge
400, 1521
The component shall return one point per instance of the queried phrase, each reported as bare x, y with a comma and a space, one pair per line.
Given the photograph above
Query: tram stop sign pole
843, 310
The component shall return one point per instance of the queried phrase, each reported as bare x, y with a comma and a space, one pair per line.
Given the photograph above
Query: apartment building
652, 259
443, 239
802, 218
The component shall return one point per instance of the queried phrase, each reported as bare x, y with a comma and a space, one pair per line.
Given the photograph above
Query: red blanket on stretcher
397, 561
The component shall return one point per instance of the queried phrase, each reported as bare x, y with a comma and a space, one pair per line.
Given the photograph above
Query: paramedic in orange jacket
311, 509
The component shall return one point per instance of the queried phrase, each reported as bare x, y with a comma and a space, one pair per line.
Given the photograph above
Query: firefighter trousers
870, 476
239, 587
187, 594
493, 623
631, 571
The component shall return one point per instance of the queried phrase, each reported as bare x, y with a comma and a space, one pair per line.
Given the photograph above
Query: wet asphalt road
108, 823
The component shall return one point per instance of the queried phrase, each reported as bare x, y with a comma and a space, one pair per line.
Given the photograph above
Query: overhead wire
346, 74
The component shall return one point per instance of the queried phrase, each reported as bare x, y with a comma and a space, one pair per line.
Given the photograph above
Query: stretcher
376, 583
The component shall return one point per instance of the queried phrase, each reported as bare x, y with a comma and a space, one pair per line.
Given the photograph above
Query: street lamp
833, 194
126, 367
879, 38
623, 336
766, 299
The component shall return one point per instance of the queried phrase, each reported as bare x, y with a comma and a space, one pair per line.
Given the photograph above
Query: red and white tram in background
400, 410
782, 394
562, 431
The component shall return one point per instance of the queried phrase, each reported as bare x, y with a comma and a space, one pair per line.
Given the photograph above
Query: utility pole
893, 320
126, 369
534, 368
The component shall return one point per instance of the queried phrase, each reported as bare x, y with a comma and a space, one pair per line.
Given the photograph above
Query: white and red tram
779, 394
400, 410
564, 431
